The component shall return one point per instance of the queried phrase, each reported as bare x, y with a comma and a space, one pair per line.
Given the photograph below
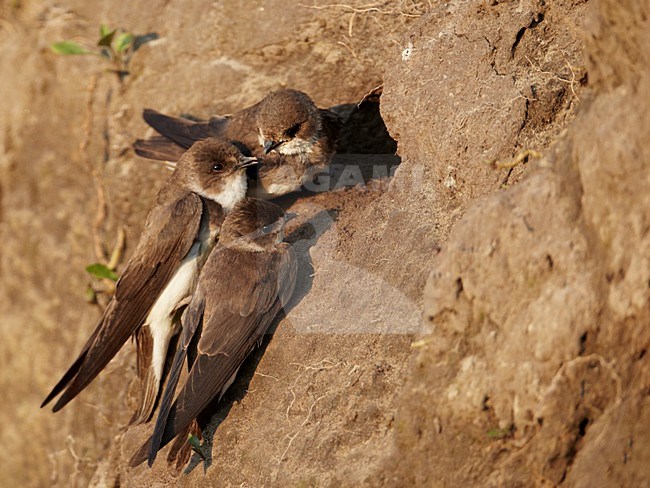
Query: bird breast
297, 146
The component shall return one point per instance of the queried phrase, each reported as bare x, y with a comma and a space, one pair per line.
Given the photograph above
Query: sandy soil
460, 324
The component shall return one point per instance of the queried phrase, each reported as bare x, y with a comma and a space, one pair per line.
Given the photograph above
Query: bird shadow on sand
302, 239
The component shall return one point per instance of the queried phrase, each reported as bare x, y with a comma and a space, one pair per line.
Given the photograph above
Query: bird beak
270, 146
246, 162
289, 216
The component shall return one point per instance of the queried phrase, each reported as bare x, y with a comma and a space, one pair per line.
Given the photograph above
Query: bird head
215, 169
288, 122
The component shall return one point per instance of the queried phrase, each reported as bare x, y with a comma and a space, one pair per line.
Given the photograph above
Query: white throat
234, 190
296, 146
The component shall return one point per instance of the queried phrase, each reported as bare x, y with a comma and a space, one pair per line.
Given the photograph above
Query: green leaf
106, 39
193, 441
123, 42
65, 48
498, 433
99, 270
104, 30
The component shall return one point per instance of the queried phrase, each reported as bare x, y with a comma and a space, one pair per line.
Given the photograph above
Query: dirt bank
462, 324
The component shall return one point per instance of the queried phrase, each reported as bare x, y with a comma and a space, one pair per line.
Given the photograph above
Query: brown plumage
180, 231
291, 136
246, 281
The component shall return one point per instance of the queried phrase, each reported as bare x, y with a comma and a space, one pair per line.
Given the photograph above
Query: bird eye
217, 167
267, 229
292, 131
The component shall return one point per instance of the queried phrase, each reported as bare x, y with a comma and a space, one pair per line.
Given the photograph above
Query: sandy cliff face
458, 325
537, 306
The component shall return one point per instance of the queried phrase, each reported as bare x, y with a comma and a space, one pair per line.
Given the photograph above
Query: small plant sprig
195, 444
117, 46
106, 272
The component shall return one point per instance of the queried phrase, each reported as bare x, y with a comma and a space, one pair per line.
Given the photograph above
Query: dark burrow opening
365, 150
364, 131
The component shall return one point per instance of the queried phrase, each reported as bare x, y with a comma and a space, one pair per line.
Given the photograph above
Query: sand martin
292, 138
245, 282
180, 231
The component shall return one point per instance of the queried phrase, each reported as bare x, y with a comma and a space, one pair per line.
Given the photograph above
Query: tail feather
149, 450
148, 399
181, 450
140, 455
182, 131
193, 321
177, 134
159, 148
67, 378
92, 359
73, 369
149, 379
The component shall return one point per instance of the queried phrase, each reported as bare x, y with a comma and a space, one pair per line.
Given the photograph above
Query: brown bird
292, 138
246, 281
179, 233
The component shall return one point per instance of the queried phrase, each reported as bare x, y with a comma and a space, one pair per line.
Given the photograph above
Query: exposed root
293, 436
100, 215
519, 158
421, 343
293, 400
376, 8
354, 368
267, 376
573, 78
321, 365
118, 250
324, 364
99, 412
363, 9
54, 476
353, 381
348, 48
78, 460
570, 82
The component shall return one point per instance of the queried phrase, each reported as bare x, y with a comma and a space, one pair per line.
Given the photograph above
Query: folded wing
233, 322
164, 244
185, 132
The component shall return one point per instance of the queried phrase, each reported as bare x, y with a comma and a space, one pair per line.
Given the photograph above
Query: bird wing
242, 130
185, 132
159, 148
233, 322
168, 236
192, 321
